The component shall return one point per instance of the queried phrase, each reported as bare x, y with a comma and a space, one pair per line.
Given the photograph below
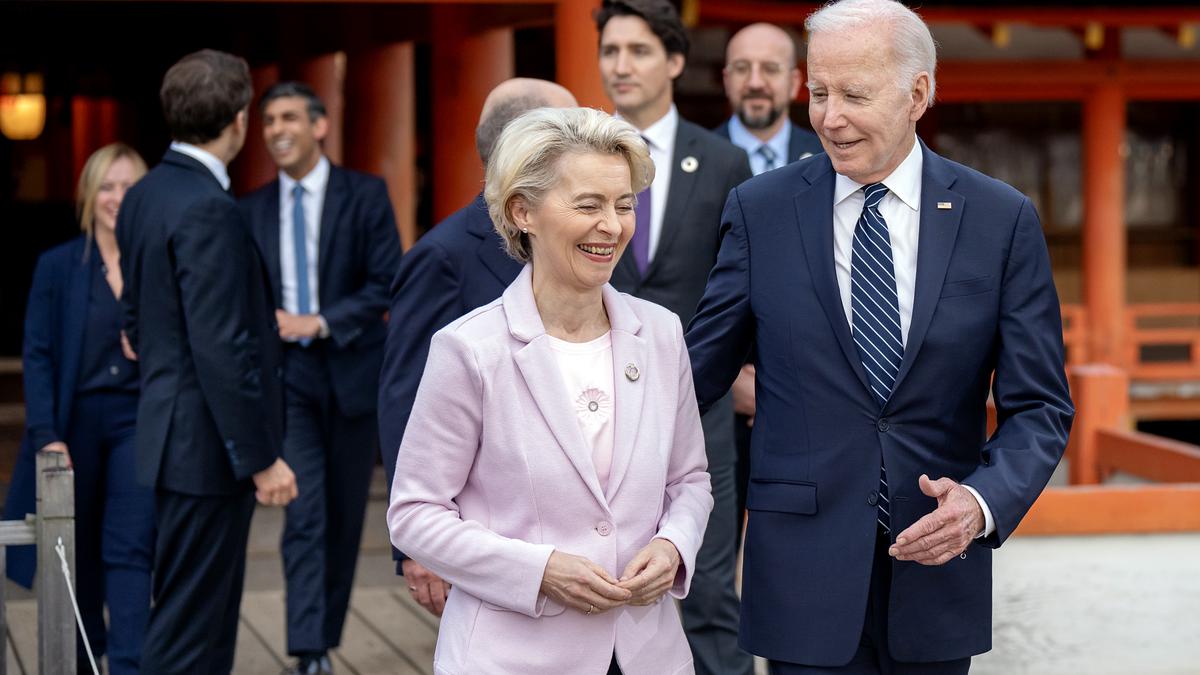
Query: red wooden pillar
253, 167
326, 74
379, 94
466, 63
575, 47
1104, 243
1101, 395
94, 124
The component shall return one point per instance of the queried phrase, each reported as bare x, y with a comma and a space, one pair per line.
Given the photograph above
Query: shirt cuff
324, 332
989, 523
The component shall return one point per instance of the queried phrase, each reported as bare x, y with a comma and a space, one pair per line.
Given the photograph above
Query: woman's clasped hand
576, 582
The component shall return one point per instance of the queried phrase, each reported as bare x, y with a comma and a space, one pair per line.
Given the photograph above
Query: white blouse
587, 372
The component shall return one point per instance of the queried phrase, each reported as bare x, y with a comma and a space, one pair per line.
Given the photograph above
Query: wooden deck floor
386, 632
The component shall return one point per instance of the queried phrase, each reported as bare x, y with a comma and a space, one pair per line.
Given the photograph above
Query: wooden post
380, 112
576, 52
55, 522
1104, 222
326, 74
467, 63
1101, 395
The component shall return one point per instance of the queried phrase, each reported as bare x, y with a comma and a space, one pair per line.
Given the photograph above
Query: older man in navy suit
329, 239
886, 291
458, 266
210, 416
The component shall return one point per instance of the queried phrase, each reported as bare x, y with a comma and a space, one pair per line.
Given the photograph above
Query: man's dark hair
316, 107
203, 93
498, 117
660, 15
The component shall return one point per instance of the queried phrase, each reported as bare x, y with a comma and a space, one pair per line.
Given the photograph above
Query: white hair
524, 161
915, 50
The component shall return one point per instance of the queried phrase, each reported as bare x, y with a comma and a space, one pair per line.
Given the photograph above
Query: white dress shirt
313, 201
209, 160
901, 210
740, 136
660, 136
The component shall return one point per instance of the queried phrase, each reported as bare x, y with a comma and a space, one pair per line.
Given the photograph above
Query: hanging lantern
22, 106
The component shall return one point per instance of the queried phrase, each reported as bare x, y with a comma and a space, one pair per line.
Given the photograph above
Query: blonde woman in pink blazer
553, 468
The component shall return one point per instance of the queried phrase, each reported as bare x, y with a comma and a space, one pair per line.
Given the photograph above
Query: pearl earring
525, 230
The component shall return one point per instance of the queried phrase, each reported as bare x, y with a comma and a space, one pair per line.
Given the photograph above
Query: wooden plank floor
386, 632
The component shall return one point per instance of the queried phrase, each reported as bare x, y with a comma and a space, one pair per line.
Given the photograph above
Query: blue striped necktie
875, 313
769, 156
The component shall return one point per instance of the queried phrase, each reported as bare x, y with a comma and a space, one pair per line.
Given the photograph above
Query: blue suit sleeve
350, 315
40, 371
721, 333
1033, 406
426, 295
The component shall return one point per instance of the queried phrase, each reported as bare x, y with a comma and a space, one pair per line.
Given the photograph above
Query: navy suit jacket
801, 141
985, 305
198, 314
54, 326
358, 252
457, 266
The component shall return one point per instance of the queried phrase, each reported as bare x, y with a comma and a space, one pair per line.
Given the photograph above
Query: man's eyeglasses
765, 68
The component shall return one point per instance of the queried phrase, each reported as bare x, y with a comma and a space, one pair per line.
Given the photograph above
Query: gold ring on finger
591, 608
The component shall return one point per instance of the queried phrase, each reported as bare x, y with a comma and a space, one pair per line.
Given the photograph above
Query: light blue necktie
875, 313
300, 246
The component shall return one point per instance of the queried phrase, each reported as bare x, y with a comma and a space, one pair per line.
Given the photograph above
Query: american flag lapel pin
944, 206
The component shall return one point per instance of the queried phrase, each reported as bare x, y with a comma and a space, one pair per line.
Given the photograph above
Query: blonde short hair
93, 175
524, 161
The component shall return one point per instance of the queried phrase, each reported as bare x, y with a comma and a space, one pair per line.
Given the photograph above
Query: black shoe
310, 665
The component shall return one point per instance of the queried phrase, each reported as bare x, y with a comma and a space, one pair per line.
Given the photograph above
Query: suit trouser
199, 566
872, 656
114, 529
711, 610
332, 456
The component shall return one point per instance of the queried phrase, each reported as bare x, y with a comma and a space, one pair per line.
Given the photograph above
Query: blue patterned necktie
769, 155
300, 246
875, 313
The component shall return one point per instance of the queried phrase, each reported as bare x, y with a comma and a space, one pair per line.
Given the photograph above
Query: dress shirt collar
209, 160
661, 134
904, 182
314, 182
740, 136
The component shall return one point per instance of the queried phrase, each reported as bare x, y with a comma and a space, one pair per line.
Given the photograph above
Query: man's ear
321, 128
675, 64
920, 96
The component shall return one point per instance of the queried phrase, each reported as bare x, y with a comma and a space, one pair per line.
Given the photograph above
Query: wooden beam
575, 46
1108, 509
1148, 456
740, 12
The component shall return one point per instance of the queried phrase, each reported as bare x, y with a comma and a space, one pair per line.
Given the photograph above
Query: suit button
603, 528
229, 445
279, 372
872, 498
883, 426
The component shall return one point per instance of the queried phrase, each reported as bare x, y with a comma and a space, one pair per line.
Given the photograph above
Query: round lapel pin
632, 373
689, 164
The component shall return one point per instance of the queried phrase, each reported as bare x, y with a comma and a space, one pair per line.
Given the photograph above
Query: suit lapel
479, 224
935, 242
539, 369
269, 222
75, 320
628, 349
335, 200
679, 195
814, 215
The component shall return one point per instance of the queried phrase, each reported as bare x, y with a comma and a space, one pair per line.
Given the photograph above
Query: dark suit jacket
358, 252
800, 142
984, 304
198, 314
688, 243
55, 319
458, 266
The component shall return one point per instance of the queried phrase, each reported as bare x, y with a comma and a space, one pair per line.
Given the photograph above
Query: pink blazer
494, 474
